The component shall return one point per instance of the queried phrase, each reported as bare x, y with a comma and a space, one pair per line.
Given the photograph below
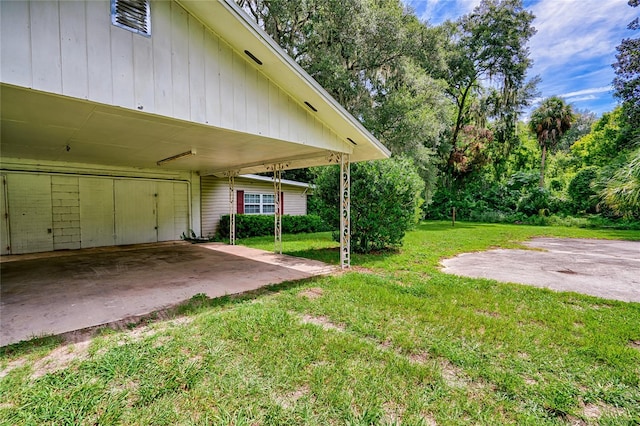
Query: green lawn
396, 343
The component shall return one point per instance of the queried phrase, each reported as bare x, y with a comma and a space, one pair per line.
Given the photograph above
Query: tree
549, 122
584, 120
374, 57
622, 191
385, 201
627, 69
608, 138
489, 46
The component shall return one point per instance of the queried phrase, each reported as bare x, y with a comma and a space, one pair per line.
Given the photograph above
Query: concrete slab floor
59, 292
604, 268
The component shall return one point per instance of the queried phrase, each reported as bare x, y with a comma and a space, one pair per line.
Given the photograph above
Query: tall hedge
385, 201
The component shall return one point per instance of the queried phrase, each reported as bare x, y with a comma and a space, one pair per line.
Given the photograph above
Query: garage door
30, 213
82, 212
97, 226
135, 212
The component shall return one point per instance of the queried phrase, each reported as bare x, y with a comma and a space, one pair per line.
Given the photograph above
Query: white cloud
582, 98
577, 29
591, 91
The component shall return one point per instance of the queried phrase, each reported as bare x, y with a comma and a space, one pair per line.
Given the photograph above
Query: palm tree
622, 190
549, 122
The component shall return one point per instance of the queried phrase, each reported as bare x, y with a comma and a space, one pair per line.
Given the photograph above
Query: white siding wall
215, 203
215, 199
183, 70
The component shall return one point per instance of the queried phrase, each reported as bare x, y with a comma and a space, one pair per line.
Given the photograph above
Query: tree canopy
450, 100
627, 69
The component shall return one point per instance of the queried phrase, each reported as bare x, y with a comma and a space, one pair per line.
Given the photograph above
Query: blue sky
573, 49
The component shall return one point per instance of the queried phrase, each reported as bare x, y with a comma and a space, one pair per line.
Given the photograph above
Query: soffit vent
132, 15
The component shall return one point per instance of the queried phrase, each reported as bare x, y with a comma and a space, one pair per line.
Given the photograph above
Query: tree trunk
544, 156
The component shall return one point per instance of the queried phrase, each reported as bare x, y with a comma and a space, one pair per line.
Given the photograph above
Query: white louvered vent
132, 15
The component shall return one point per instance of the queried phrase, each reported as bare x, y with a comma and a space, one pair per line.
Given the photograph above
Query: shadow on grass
331, 255
444, 226
196, 304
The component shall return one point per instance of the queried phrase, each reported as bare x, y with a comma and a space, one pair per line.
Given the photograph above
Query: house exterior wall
183, 70
57, 206
215, 199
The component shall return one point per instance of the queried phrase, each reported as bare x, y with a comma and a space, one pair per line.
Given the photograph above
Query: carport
59, 292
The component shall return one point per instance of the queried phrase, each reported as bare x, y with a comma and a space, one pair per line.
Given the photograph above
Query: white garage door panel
135, 211
96, 212
173, 215
30, 213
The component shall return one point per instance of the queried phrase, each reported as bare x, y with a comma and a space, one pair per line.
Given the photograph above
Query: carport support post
232, 207
277, 188
345, 211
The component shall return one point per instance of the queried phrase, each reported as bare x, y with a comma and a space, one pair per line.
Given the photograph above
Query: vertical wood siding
215, 199
183, 70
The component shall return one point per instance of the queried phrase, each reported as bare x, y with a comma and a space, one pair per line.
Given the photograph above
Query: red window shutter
281, 203
240, 202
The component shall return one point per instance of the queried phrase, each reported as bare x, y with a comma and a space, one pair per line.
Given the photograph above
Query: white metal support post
277, 190
232, 207
345, 211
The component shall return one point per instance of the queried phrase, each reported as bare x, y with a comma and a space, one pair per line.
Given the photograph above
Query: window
132, 15
259, 204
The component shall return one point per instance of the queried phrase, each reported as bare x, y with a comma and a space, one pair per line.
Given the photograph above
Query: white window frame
261, 203
114, 19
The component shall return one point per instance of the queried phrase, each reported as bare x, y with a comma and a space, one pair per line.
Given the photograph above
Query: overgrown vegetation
451, 98
385, 202
401, 344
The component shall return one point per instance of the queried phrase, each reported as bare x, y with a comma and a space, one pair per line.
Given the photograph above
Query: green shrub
385, 201
580, 190
259, 225
534, 202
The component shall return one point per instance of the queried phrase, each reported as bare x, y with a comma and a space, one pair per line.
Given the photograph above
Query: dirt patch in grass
361, 269
452, 375
289, 400
635, 344
428, 419
17, 363
60, 358
312, 293
77, 346
321, 321
419, 357
595, 411
393, 413
487, 313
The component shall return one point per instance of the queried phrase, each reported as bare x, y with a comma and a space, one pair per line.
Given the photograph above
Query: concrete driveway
54, 293
603, 268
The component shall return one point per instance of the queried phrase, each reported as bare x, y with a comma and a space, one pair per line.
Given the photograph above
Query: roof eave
242, 33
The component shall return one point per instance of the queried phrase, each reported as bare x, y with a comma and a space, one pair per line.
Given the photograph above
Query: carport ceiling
40, 126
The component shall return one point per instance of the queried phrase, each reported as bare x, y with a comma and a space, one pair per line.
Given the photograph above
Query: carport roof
41, 126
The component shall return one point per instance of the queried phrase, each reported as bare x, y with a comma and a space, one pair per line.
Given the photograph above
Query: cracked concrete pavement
605, 268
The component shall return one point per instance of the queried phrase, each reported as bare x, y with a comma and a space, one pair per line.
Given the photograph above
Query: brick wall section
65, 199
